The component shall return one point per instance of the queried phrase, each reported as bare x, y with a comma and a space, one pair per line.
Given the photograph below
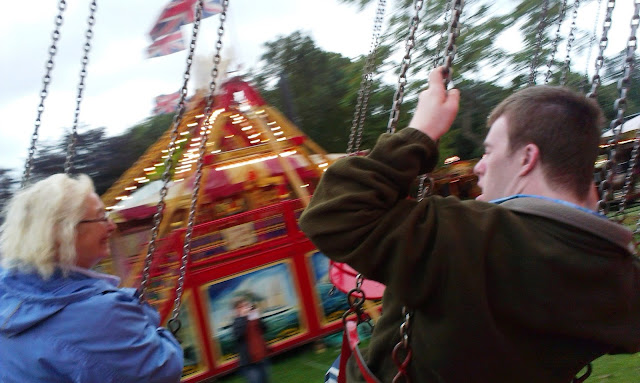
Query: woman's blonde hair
39, 230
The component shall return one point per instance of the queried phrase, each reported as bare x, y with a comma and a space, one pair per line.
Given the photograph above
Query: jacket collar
571, 214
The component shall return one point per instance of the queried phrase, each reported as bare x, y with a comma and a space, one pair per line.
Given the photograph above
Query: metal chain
406, 61
422, 190
365, 83
589, 51
567, 60
186, 249
363, 114
405, 328
445, 24
554, 45
539, 37
355, 299
424, 178
71, 147
604, 41
624, 84
404, 347
606, 186
617, 123
168, 163
46, 80
425, 186
454, 32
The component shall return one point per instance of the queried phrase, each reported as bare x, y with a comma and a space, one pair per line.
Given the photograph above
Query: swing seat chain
356, 298
403, 347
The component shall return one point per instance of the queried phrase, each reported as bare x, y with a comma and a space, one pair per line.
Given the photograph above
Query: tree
317, 82
482, 67
7, 187
102, 158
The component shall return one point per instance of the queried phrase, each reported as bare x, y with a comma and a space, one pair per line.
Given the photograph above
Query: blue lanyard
562, 202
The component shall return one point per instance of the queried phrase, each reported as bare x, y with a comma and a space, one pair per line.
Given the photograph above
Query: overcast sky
121, 83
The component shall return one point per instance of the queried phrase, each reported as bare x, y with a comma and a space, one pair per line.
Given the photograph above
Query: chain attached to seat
539, 36
46, 80
171, 148
554, 46
398, 97
567, 59
359, 116
604, 41
71, 146
186, 248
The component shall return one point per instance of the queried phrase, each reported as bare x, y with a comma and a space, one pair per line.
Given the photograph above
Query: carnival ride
245, 239
232, 176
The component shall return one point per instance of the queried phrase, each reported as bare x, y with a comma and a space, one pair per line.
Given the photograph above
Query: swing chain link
426, 186
423, 179
454, 32
585, 79
554, 45
604, 41
204, 127
404, 347
437, 59
73, 139
624, 84
171, 149
616, 126
406, 61
539, 37
365, 84
46, 80
355, 300
572, 37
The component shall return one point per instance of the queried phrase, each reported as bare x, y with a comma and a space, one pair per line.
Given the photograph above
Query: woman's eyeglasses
104, 218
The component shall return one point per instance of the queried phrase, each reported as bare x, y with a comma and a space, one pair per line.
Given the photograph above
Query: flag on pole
166, 45
174, 15
211, 7
166, 103
181, 12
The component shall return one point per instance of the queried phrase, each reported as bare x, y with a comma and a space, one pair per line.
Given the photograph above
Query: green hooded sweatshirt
527, 290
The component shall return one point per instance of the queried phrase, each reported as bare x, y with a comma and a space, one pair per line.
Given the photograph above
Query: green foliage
8, 185
317, 82
103, 158
318, 90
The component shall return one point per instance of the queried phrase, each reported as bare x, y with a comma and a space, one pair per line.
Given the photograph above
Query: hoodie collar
566, 212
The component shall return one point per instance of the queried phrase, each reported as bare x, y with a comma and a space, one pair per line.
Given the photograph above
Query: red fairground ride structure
246, 241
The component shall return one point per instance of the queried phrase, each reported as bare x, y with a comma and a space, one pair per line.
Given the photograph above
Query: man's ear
529, 158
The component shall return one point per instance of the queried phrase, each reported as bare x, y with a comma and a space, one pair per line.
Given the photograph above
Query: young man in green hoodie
527, 283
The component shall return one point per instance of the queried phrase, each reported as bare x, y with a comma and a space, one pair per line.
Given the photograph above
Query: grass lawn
309, 366
303, 364
616, 368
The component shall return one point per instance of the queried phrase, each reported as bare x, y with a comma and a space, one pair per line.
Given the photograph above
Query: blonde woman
60, 321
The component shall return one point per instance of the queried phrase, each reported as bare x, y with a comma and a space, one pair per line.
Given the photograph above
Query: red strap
350, 341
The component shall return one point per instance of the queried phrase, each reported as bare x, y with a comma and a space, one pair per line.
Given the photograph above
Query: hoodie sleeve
360, 214
127, 342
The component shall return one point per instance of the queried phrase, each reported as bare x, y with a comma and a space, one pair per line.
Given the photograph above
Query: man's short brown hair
564, 125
